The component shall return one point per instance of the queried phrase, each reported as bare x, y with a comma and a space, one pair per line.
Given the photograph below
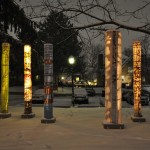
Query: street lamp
71, 61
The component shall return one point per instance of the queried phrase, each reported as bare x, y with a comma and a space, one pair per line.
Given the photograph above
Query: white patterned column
48, 84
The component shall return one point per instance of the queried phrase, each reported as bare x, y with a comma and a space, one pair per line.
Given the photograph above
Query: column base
5, 115
28, 116
52, 120
138, 119
112, 126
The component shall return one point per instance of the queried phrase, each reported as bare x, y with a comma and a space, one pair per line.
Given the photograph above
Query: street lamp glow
71, 60
62, 77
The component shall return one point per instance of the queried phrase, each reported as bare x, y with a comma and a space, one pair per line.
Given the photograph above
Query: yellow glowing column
27, 83
5, 80
113, 81
137, 82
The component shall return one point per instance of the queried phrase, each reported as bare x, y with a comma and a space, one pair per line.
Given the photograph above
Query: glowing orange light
137, 77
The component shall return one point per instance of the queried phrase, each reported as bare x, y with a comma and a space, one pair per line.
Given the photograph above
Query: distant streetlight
71, 61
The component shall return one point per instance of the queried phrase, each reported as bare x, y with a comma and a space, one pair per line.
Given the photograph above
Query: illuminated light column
5, 81
48, 84
27, 83
113, 81
137, 117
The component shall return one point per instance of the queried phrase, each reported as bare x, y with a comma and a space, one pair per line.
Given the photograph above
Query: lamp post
71, 61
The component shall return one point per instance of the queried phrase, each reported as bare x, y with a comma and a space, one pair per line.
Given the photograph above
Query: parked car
38, 96
90, 91
144, 97
146, 87
103, 92
80, 96
124, 91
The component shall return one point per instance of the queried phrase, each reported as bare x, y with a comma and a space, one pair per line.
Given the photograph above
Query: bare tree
95, 16
91, 53
99, 14
146, 58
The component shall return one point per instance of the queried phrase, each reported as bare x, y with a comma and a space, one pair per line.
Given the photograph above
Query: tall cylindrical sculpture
137, 117
5, 80
113, 81
27, 83
48, 84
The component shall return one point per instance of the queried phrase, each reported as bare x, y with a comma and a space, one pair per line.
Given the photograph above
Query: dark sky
130, 5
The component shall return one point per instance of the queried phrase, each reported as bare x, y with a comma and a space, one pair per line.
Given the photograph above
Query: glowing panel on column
137, 77
27, 73
119, 78
113, 81
5, 77
108, 104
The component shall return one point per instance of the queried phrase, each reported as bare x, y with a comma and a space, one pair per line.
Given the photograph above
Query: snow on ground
74, 129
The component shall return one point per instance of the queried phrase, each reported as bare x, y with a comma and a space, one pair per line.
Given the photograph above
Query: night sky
130, 5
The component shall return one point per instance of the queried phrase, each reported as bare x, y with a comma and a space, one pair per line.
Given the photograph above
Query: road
59, 101
62, 98
65, 102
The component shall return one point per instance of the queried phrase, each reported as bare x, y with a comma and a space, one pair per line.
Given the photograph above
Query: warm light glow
62, 78
27, 73
119, 77
27, 48
5, 77
137, 77
77, 78
71, 60
123, 78
113, 80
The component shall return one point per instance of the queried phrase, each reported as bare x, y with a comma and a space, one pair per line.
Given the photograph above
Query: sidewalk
74, 129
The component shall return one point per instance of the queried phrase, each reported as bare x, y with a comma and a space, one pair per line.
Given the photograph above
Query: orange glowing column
27, 83
137, 81
113, 81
